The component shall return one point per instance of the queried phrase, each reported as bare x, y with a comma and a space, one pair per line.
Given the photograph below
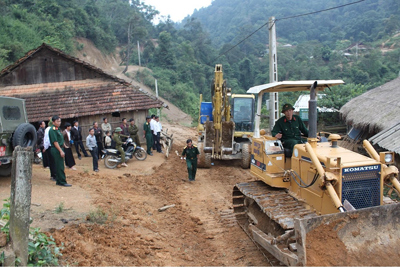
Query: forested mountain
358, 43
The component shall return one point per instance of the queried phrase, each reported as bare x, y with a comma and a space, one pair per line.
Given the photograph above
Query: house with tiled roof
54, 83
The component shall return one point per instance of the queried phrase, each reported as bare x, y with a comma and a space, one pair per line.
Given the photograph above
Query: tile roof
79, 98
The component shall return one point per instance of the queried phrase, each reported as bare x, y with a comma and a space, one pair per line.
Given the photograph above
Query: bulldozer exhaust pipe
312, 111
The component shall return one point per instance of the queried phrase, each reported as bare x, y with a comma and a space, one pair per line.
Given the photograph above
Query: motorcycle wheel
110, 164
140, 154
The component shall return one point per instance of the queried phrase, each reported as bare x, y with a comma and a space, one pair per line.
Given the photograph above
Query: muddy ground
199, 230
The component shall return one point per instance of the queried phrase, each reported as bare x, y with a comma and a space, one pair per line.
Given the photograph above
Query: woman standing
69, 158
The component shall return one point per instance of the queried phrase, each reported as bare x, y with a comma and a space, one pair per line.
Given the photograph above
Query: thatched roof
376, 109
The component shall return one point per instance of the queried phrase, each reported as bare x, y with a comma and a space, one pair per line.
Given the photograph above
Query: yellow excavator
321, 204
225, 125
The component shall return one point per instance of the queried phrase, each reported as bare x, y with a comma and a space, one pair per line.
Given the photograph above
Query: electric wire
285, 18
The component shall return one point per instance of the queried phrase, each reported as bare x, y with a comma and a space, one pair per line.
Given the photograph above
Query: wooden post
20, 202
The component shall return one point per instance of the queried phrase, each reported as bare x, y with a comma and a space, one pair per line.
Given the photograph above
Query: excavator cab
243, 113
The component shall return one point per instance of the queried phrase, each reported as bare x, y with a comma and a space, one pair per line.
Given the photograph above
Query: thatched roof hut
375, 110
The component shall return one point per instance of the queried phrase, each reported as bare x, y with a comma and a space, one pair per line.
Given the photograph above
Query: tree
165, 57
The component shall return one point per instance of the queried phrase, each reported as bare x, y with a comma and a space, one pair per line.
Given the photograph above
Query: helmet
287, 107
118, 129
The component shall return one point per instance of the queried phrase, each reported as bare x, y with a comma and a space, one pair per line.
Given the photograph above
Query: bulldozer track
275, 203
272, 210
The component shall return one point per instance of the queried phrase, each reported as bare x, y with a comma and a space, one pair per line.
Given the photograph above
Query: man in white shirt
47, 146
157, 133
152, 123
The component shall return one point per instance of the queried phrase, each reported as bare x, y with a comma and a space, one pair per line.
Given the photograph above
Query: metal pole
158, 110
273, 74
258, 116
138, 51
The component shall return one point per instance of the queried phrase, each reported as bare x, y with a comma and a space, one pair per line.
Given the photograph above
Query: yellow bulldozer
225, 125
322, 204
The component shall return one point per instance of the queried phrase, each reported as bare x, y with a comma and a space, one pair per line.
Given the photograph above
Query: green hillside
358, 43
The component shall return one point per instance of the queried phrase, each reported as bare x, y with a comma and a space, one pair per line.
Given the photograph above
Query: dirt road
199, 230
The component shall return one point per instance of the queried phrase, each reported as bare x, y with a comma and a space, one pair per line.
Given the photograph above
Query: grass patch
98, 216
59, 208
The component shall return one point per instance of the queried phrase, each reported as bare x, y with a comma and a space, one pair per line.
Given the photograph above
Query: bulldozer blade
366, 237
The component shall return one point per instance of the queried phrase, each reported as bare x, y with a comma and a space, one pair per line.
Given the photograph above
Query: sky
177, 9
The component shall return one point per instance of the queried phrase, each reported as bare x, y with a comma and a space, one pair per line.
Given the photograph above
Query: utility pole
273, 74
158, 110
138, 51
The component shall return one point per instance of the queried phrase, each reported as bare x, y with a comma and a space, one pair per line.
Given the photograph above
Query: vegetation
357, 43
98, 216
42, 250
59, 208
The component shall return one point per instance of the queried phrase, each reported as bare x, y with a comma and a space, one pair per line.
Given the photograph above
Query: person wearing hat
133, 131
148, 135
118, 144
57, 151
289, 128
191, 152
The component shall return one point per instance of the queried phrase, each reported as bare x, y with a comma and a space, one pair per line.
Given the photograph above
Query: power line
291, 17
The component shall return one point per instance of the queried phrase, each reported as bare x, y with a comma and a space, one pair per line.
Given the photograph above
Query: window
11, 113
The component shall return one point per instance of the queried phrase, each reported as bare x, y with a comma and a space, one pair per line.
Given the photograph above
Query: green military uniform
118, 145
291, 131
55, 135
191, 160
133, 130
149, 137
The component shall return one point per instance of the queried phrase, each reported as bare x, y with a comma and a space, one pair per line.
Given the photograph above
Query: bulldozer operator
289, 129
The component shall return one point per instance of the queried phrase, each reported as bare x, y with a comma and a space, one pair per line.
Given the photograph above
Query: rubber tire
207, 161
110, 165
246, 157
201, 163
141, 154
5, 170
25, 135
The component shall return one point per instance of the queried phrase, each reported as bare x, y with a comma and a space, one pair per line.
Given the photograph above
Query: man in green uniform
148, 135
289, 128
57, 151
133, 132
118, 145
192, 156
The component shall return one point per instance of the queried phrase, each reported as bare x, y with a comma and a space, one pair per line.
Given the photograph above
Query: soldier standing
133, 131
192, 157
148, 135
57, 144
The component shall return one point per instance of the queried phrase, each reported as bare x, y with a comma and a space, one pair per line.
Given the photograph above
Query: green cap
287, 107
118, 129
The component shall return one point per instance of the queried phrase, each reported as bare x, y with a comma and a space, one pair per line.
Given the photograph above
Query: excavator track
268, 214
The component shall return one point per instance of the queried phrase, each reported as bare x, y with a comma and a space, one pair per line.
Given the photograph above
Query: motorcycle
113, 158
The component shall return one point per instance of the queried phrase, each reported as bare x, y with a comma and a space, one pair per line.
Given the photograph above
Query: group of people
56, 148
152, 133
56, 145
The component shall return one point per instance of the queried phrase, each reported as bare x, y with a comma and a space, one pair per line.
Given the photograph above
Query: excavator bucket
369, 237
